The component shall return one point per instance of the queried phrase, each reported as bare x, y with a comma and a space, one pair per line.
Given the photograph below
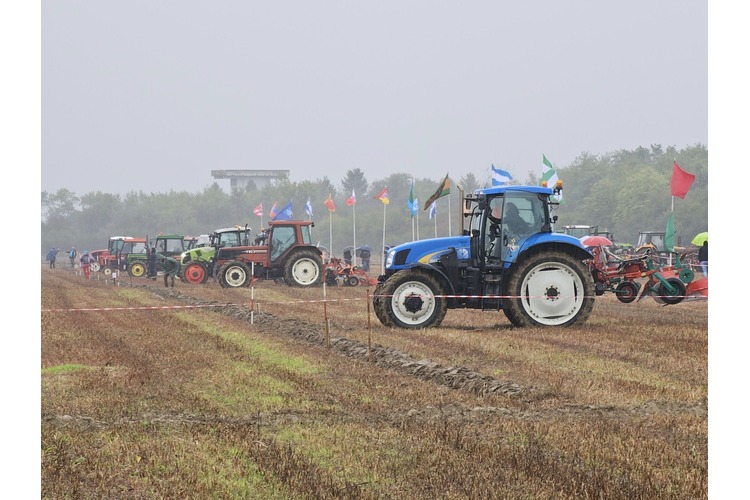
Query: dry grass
190, 403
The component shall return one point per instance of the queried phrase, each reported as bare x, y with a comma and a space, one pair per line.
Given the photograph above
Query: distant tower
241, 178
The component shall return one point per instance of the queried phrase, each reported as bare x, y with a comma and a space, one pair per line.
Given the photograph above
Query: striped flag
500, 177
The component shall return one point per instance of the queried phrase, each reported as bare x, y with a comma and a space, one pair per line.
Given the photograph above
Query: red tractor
115, 257
283, 251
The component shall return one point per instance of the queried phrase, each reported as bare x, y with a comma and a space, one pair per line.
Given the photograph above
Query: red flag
383, 196
259, 210
352, 200
273, 213
329, 204
681, 181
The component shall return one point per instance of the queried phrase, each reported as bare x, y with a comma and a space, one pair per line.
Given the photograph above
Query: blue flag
433, 210
285, 213
308, 207
500, 177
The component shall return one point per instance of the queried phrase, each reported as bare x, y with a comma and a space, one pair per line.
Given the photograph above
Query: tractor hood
426, 251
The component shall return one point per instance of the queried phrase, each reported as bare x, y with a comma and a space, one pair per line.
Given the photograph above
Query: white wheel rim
107, 271
552, 293
305, 271
235, 276
403, 301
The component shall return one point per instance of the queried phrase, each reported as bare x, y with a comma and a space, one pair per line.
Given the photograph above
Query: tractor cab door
523, 214
282, 239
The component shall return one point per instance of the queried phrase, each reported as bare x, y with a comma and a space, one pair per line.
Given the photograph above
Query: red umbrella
596, 241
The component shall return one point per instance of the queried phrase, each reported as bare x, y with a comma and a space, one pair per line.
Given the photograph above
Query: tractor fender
437, 272
541, 242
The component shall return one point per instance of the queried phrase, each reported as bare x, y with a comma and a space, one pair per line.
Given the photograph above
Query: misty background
152, 96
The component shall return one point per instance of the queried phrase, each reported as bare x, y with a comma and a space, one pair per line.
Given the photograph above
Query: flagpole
450, 233
417, 224
382, 261
435, 224
330, 234
354, 235
412, 227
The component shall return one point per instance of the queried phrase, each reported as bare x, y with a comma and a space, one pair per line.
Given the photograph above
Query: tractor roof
504, 189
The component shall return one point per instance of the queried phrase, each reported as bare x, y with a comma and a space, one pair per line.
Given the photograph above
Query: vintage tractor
171, 245
197, 263
510, 259
115, 257
283, 251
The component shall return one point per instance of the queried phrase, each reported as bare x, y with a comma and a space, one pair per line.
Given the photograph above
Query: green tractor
197, 264
168, 244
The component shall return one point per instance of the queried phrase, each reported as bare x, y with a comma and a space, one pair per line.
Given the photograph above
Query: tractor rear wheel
675, 295
303, 268
137, 269
234, 274
195, 273
551, 288
411, 300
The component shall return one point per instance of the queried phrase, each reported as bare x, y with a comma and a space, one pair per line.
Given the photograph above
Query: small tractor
115, 257
514, 262
284, 250
197, 263
171, 245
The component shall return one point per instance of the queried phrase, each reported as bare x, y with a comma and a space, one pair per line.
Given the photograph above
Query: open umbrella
700, 238
596, 241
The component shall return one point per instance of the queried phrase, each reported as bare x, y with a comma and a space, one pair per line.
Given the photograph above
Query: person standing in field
151, 260
72, 256
86, 260
171, 266
51, 256
703, 258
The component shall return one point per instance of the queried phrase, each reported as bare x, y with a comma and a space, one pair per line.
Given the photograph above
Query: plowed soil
615, 408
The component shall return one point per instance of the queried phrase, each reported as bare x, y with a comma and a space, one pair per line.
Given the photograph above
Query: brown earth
476, 408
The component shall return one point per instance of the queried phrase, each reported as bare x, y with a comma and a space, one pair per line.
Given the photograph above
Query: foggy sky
152, 96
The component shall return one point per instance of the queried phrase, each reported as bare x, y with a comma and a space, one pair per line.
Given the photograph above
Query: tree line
624, 191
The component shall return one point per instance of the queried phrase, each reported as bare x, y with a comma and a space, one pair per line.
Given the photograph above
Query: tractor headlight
389, 258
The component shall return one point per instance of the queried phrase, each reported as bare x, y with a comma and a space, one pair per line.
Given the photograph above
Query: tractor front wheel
412, 300
551, 288
303, 268
378, 305
234, 274
195, 273
137, 269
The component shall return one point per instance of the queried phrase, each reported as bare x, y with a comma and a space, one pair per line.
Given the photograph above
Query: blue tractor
510, 259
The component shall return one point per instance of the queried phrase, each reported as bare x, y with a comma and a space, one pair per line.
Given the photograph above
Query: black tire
551, 288
234, 274
137, 269
95, 266
627, 291
378, 305
411, 301
195, 273
672, 298
107, 271
303, 268
352, 281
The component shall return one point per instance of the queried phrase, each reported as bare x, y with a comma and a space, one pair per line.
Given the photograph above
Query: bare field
172, 393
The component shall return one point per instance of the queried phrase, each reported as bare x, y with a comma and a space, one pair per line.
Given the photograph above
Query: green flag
550, 176
669, 236
442, 190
